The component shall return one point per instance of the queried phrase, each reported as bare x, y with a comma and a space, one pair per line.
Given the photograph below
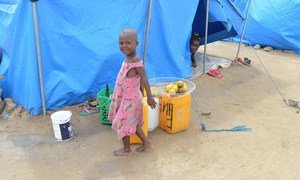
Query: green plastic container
104, 105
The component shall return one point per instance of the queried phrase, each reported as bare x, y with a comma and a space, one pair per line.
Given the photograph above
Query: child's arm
145, 83
194, 63
142, 89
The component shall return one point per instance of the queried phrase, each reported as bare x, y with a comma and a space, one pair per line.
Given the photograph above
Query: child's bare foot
144, 147
122, 152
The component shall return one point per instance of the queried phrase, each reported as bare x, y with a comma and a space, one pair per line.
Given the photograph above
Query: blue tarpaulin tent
274, 23
221, 23
79, 44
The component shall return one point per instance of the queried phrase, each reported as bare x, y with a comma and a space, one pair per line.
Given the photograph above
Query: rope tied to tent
241, 128
288, 102
235, 128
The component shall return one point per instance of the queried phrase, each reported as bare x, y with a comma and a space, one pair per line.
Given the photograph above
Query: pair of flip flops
215, 73
89, 107
246, 61
88, 110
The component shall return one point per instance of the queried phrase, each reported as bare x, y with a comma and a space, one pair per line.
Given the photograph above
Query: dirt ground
245, 95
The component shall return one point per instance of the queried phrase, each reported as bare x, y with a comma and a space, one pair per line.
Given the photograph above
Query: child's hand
151, 102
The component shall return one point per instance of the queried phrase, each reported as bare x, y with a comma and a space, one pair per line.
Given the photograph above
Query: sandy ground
245, 95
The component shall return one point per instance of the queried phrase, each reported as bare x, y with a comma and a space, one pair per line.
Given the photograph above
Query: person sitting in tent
194, 46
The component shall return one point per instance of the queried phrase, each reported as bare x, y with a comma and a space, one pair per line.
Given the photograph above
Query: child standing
194, 46
126, 109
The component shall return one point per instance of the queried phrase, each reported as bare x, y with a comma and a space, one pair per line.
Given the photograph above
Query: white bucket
153, 116
62, 126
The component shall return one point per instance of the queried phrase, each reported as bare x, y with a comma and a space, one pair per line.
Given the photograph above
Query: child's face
128, 45
194, 46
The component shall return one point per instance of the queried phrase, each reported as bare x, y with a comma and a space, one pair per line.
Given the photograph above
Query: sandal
247, 61
215, 73
92, 102
88, 110
239, 60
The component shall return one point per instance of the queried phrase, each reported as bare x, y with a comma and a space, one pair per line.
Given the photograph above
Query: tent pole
147, 32
206, 32
38, 50
243, 32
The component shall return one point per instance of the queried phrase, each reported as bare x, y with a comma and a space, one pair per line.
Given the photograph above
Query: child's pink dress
126, 109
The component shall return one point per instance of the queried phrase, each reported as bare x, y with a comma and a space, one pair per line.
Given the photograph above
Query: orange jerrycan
174, 112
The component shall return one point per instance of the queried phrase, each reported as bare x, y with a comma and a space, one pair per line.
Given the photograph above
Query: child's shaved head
129, 33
